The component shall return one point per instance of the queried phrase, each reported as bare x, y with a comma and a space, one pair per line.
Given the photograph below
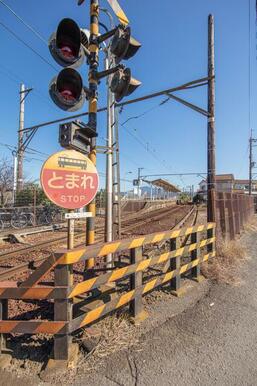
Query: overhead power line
13, 77
29, 150
37, 34
147, 148
27, 45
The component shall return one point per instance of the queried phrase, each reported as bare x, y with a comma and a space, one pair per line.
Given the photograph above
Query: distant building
228, 184
156, 190
242, 186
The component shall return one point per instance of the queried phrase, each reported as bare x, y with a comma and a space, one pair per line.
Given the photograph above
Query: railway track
21, 268
148, 218
128, 224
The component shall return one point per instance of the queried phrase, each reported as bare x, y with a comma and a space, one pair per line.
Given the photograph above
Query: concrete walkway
213, 343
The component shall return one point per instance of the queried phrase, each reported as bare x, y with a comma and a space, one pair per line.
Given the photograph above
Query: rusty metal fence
234, 211
77, 304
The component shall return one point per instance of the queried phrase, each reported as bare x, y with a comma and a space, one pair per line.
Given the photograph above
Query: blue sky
168, 138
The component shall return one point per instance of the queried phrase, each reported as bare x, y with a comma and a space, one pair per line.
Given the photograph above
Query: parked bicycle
49, 215
14, 220
31, 220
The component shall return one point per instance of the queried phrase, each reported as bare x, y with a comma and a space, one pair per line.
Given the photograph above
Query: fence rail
76, 305
234, 211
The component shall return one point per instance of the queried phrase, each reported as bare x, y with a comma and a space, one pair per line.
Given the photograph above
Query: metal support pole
20, 152
93, 85
136, 280
109, 161
250, 162
174, 263
211, 167
35, 205
3, 316
63, 276
139, 182
14, 153
116, 174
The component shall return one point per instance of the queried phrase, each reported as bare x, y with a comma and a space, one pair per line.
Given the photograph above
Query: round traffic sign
69, 179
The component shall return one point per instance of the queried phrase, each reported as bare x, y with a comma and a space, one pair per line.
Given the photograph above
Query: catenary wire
39, 36
27, 45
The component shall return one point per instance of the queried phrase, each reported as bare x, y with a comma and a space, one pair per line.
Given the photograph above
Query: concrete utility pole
211, 157
139, 181
251, 162
14, 154
20, 152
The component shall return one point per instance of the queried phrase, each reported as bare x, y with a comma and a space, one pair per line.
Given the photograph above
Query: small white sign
70, 216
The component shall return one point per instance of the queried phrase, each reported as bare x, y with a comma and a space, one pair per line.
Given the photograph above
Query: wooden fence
79, 304
234, 211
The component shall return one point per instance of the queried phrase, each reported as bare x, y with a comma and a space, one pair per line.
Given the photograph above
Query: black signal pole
93, 83
211, 156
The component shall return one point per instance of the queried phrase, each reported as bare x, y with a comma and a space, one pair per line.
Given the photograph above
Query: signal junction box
76, 135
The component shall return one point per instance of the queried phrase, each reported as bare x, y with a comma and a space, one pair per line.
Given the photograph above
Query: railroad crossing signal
65, 44
123, 45
69, 47
66, 90
123, 84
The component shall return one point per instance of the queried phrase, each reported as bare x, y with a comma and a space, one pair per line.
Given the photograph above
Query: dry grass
115, 333
224, 268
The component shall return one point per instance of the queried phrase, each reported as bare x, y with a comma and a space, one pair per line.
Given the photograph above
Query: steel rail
8, 273
30, 248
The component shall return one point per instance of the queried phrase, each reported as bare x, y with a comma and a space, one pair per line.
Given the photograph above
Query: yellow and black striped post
93, 83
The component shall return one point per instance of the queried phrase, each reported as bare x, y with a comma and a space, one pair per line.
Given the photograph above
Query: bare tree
6, 178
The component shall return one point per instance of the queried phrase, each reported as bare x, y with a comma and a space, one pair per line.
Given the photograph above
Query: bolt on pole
211, 156
93, 85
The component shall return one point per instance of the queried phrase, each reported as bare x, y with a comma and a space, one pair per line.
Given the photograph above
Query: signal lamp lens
68, 95
66, 44
66, 90
67, 52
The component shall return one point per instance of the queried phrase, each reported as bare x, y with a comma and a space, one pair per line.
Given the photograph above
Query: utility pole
211, 157
251, 162
139, 181
20, 152
14, 154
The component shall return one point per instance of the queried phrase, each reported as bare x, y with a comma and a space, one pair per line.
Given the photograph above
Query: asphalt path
212, 343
